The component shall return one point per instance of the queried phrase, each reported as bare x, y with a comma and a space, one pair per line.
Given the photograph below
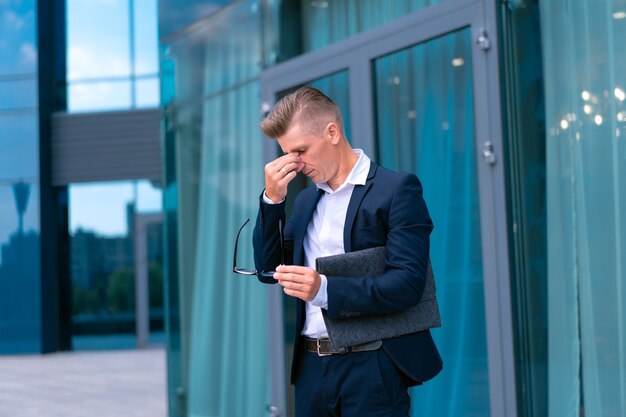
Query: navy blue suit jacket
388, 210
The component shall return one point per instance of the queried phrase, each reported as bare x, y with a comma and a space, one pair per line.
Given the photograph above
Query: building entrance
420, 95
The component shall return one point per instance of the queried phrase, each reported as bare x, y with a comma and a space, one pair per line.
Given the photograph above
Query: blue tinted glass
216, 195
18, 37
425, 125
104, 238
147, 92
98, 41
176, 14
291, 31
220, 52
146, 37
18, 93
100, 207
20, 297
97, 96
19, 146
168, 81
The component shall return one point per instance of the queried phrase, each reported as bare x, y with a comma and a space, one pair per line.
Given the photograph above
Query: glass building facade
560, 94
57, 280
512, 114
20, 231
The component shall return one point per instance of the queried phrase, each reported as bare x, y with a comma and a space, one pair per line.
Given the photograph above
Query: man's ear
332, 130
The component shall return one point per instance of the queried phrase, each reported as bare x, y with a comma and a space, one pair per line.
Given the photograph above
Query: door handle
488, 154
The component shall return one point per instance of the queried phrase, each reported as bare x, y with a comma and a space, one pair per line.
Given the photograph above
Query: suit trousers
358, 384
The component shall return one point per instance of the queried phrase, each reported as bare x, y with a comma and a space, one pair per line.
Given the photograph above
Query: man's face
316, 153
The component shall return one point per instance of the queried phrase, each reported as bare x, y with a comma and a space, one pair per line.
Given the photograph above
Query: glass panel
221, 52
174, 15
146, 37
19, 146
18, 94
425, 125
20, 294
97, 96
215, 196
18, 37
526, 166
102, 219
294, 28
98, 41
213, 181
147, 92
585, 79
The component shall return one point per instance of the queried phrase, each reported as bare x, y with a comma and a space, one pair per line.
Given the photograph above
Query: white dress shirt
324, 237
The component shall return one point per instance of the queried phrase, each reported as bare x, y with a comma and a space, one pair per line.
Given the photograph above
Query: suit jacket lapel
355, 201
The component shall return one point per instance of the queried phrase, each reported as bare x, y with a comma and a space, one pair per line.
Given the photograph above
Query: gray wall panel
109, 146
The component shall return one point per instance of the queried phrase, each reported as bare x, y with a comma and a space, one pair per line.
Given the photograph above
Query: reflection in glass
20, 93
146, 38
19, 146
221, 52
98, 39
18, 37
20, 312
112, 62
147, 92
103, 245
316, 24
425, 125
176, 14
585, 75
98, 96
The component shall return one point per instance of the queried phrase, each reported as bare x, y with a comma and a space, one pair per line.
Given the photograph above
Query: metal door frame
356, 55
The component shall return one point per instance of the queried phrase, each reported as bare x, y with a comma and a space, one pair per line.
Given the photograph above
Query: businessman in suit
352, 205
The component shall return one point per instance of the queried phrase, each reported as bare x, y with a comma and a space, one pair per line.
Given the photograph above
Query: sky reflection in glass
88, 201
18, 37
105, 54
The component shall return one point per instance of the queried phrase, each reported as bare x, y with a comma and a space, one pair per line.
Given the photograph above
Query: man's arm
407, 252
266, 238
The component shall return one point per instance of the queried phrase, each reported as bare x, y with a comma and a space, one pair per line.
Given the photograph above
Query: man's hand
298, 281
279, 173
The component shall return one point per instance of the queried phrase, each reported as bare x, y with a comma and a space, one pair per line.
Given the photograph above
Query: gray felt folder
356, 330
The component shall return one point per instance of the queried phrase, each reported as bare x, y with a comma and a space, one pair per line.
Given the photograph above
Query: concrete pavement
129, 383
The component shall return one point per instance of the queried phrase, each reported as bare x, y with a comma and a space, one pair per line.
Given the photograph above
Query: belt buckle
319, 353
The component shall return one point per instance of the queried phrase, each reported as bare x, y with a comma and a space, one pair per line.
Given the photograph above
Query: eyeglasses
264, 274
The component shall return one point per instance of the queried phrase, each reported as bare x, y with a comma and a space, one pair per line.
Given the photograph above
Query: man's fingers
296, 269
288, 277
292, 166
284, 160
287, 178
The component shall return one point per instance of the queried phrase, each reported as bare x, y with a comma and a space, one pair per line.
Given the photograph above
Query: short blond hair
308, 107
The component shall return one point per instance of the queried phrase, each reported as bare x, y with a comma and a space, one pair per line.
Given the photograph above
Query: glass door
424, 117
423, 97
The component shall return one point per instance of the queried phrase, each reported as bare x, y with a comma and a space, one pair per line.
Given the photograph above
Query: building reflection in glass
19, 276
102, 218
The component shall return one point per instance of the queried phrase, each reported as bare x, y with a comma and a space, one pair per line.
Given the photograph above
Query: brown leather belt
323, 347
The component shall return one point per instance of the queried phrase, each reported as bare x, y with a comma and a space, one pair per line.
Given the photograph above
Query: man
354, 204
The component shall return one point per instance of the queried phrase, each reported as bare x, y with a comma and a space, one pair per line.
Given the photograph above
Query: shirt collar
358, 175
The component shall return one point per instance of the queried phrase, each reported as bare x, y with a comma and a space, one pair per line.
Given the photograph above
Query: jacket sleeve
266, 238
408, 229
